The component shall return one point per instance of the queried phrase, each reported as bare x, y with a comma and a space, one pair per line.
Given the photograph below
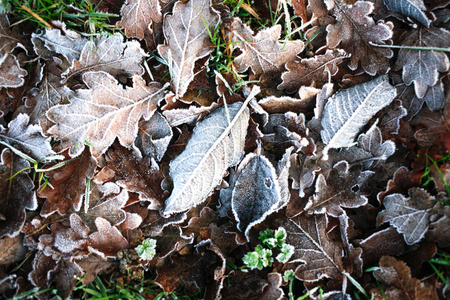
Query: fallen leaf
154, 136
216, 145
390, 122
396, 276
422, 67
342, 188
262, 52
347, 111
103, 112
410, 8
11, 74
67, 184
402, 181
107, 241
315, 70
354, 30
11, 250
111, 55
138, 15
17, 193
94, 265
187, 40
410, 216
9, 39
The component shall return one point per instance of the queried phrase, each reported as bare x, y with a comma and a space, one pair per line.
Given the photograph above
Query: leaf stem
412, 47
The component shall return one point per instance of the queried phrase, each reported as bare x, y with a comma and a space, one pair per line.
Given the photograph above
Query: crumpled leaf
16, 194
438, 230
321, 256
422, 67
107, 241
390, 122
312, 70
187, 40
109, 54
11, 250
354, 30
11, 74
48, 93
436, 129
138, 15
9, 39
396, 276
67, 43
401, 182
410, 8
27, 138
154, 136
94, 265
103, 112
262, 52
342, 188
216, 145
410, 216
347, 111
67, 185
256, 193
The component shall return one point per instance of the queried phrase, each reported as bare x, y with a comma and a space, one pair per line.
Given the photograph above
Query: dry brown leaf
103, 112
11, 250
107, 241
11, 74
187, 40
262, 52
355, 30
138, 15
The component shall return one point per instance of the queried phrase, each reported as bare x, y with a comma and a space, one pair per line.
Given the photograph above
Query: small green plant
146, 250
262, 257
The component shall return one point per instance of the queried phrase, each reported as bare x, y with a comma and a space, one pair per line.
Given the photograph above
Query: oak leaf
396, 276
109, 54
262, 52
422, 67
67, 184
354, 30
107, 241
11, 250
9, 39
187, 40
103, 112
312, 70
94, 265
17, 193
11, 74
138, 15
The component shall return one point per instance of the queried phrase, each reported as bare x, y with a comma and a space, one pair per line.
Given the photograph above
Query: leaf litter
317, 129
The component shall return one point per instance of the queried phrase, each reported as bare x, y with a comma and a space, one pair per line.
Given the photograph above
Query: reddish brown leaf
403, 180
108, 240
11, 250
67, 184
94, 265
400, 285
138, 15
355, 30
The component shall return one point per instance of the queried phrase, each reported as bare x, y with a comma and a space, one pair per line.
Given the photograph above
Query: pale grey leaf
256, 193
372, 142
409, 215
103, 112
27, 138
216, 145
11, 74
154, 136
179, 116
68, 45
109, 54
187, 39
410, 8
349, 110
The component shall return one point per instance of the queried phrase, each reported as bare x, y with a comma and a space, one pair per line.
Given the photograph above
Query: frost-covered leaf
342, 188
94, 265
410, 8
179, 116
67, 184
11, 74
256, 192
354, 30
422, 67
187, 40
27, 138
11, 250
216, 145
146, 250
409, 215
16, 194
372, 142
321, 257
154, 136
109, 54
69, 44
104, 112
286, 253
390, 122
138, 15
438, 230
258, 259
349, 110
262, 52
9, 39
316, 70
108, 240
48, 93
396, 277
